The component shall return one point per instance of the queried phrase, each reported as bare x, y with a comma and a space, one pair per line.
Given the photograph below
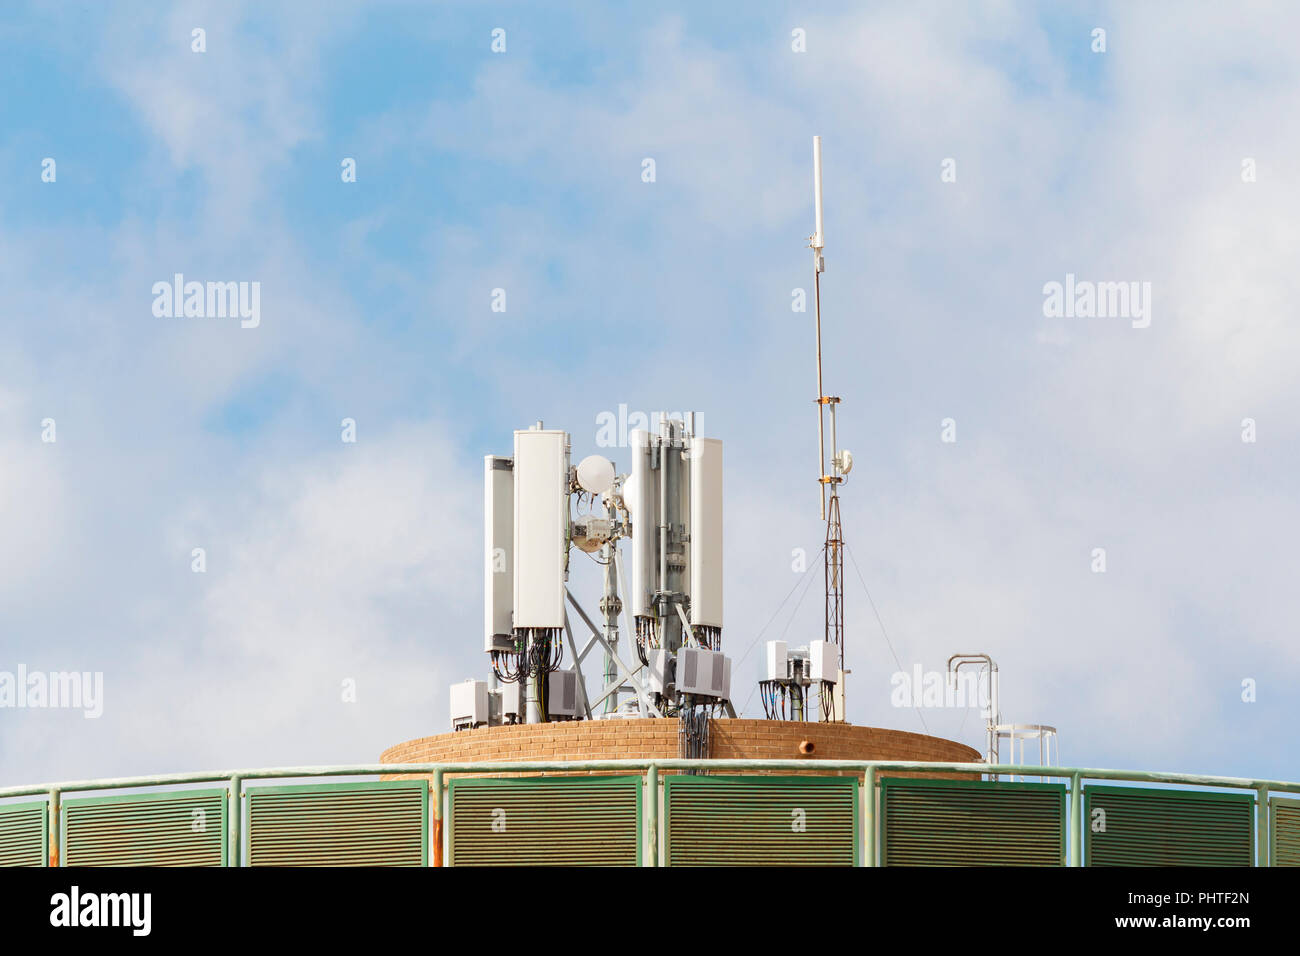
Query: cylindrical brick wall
647, 738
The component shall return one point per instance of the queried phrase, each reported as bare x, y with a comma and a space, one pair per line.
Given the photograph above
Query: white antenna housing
640, 498
541, 515
596, 474
706, 532
498, 547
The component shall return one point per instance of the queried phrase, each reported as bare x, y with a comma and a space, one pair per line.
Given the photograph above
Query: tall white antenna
818, 239
840, 462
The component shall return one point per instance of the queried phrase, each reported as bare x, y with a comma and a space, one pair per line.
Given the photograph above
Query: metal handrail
651, 767
643, 763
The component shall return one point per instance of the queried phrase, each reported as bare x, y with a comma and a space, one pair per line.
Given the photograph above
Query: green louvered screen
177, 828
760, 821
545, 821
1286, 832
971, 823
1147, 827
338, 824
24, 835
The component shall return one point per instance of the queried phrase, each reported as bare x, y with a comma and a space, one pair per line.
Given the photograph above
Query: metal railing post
435, 799
1263, 851
652, 815
236, 784
54, 828
1076, 815
869, 817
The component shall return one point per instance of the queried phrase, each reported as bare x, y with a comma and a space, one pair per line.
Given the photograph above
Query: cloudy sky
973, 155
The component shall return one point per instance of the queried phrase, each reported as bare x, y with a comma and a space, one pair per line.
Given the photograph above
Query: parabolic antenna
596, 474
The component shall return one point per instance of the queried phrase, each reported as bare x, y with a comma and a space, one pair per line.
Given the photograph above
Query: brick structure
632, 738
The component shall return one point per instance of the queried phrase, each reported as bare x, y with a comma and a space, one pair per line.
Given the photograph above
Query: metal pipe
995, 713
869, 814
628, 626
435, 797
817, 243
609, 605
634, 764
54, 826
1272, 837
1076, 815
652, 815
821, 439
236, 785
663, 510
1264, 855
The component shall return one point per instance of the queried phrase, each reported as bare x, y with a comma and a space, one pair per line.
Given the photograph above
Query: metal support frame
628, 673
628, 628
686, 624
1049, 745
652, 768
577, 668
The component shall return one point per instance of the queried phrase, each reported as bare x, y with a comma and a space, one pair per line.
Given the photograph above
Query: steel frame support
577, 668
628, 674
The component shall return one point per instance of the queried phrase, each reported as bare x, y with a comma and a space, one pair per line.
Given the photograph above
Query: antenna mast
840, 462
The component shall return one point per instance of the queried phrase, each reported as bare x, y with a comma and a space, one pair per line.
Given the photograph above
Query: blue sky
522, 171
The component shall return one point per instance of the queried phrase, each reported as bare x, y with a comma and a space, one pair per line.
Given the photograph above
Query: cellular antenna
840, 461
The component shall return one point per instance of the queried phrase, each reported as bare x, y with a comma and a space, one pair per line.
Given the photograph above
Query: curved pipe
955, 663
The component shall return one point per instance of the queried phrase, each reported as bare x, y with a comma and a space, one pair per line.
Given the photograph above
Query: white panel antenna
706, 532
498, 546
541, 513
642, 504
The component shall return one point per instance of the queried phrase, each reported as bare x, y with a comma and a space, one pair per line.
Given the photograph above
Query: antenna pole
833, 551
817, 242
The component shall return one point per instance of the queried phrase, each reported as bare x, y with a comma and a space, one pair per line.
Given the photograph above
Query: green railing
368, 823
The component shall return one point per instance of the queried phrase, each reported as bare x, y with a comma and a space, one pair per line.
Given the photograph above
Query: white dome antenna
596, 474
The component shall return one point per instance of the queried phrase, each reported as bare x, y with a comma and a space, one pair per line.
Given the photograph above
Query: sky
974, 154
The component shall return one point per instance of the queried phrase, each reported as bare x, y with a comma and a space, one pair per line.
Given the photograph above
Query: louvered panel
1147, 827
760, 821
1286, 832
545, 821
24, 835
971, 823
176, 828
338, 824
